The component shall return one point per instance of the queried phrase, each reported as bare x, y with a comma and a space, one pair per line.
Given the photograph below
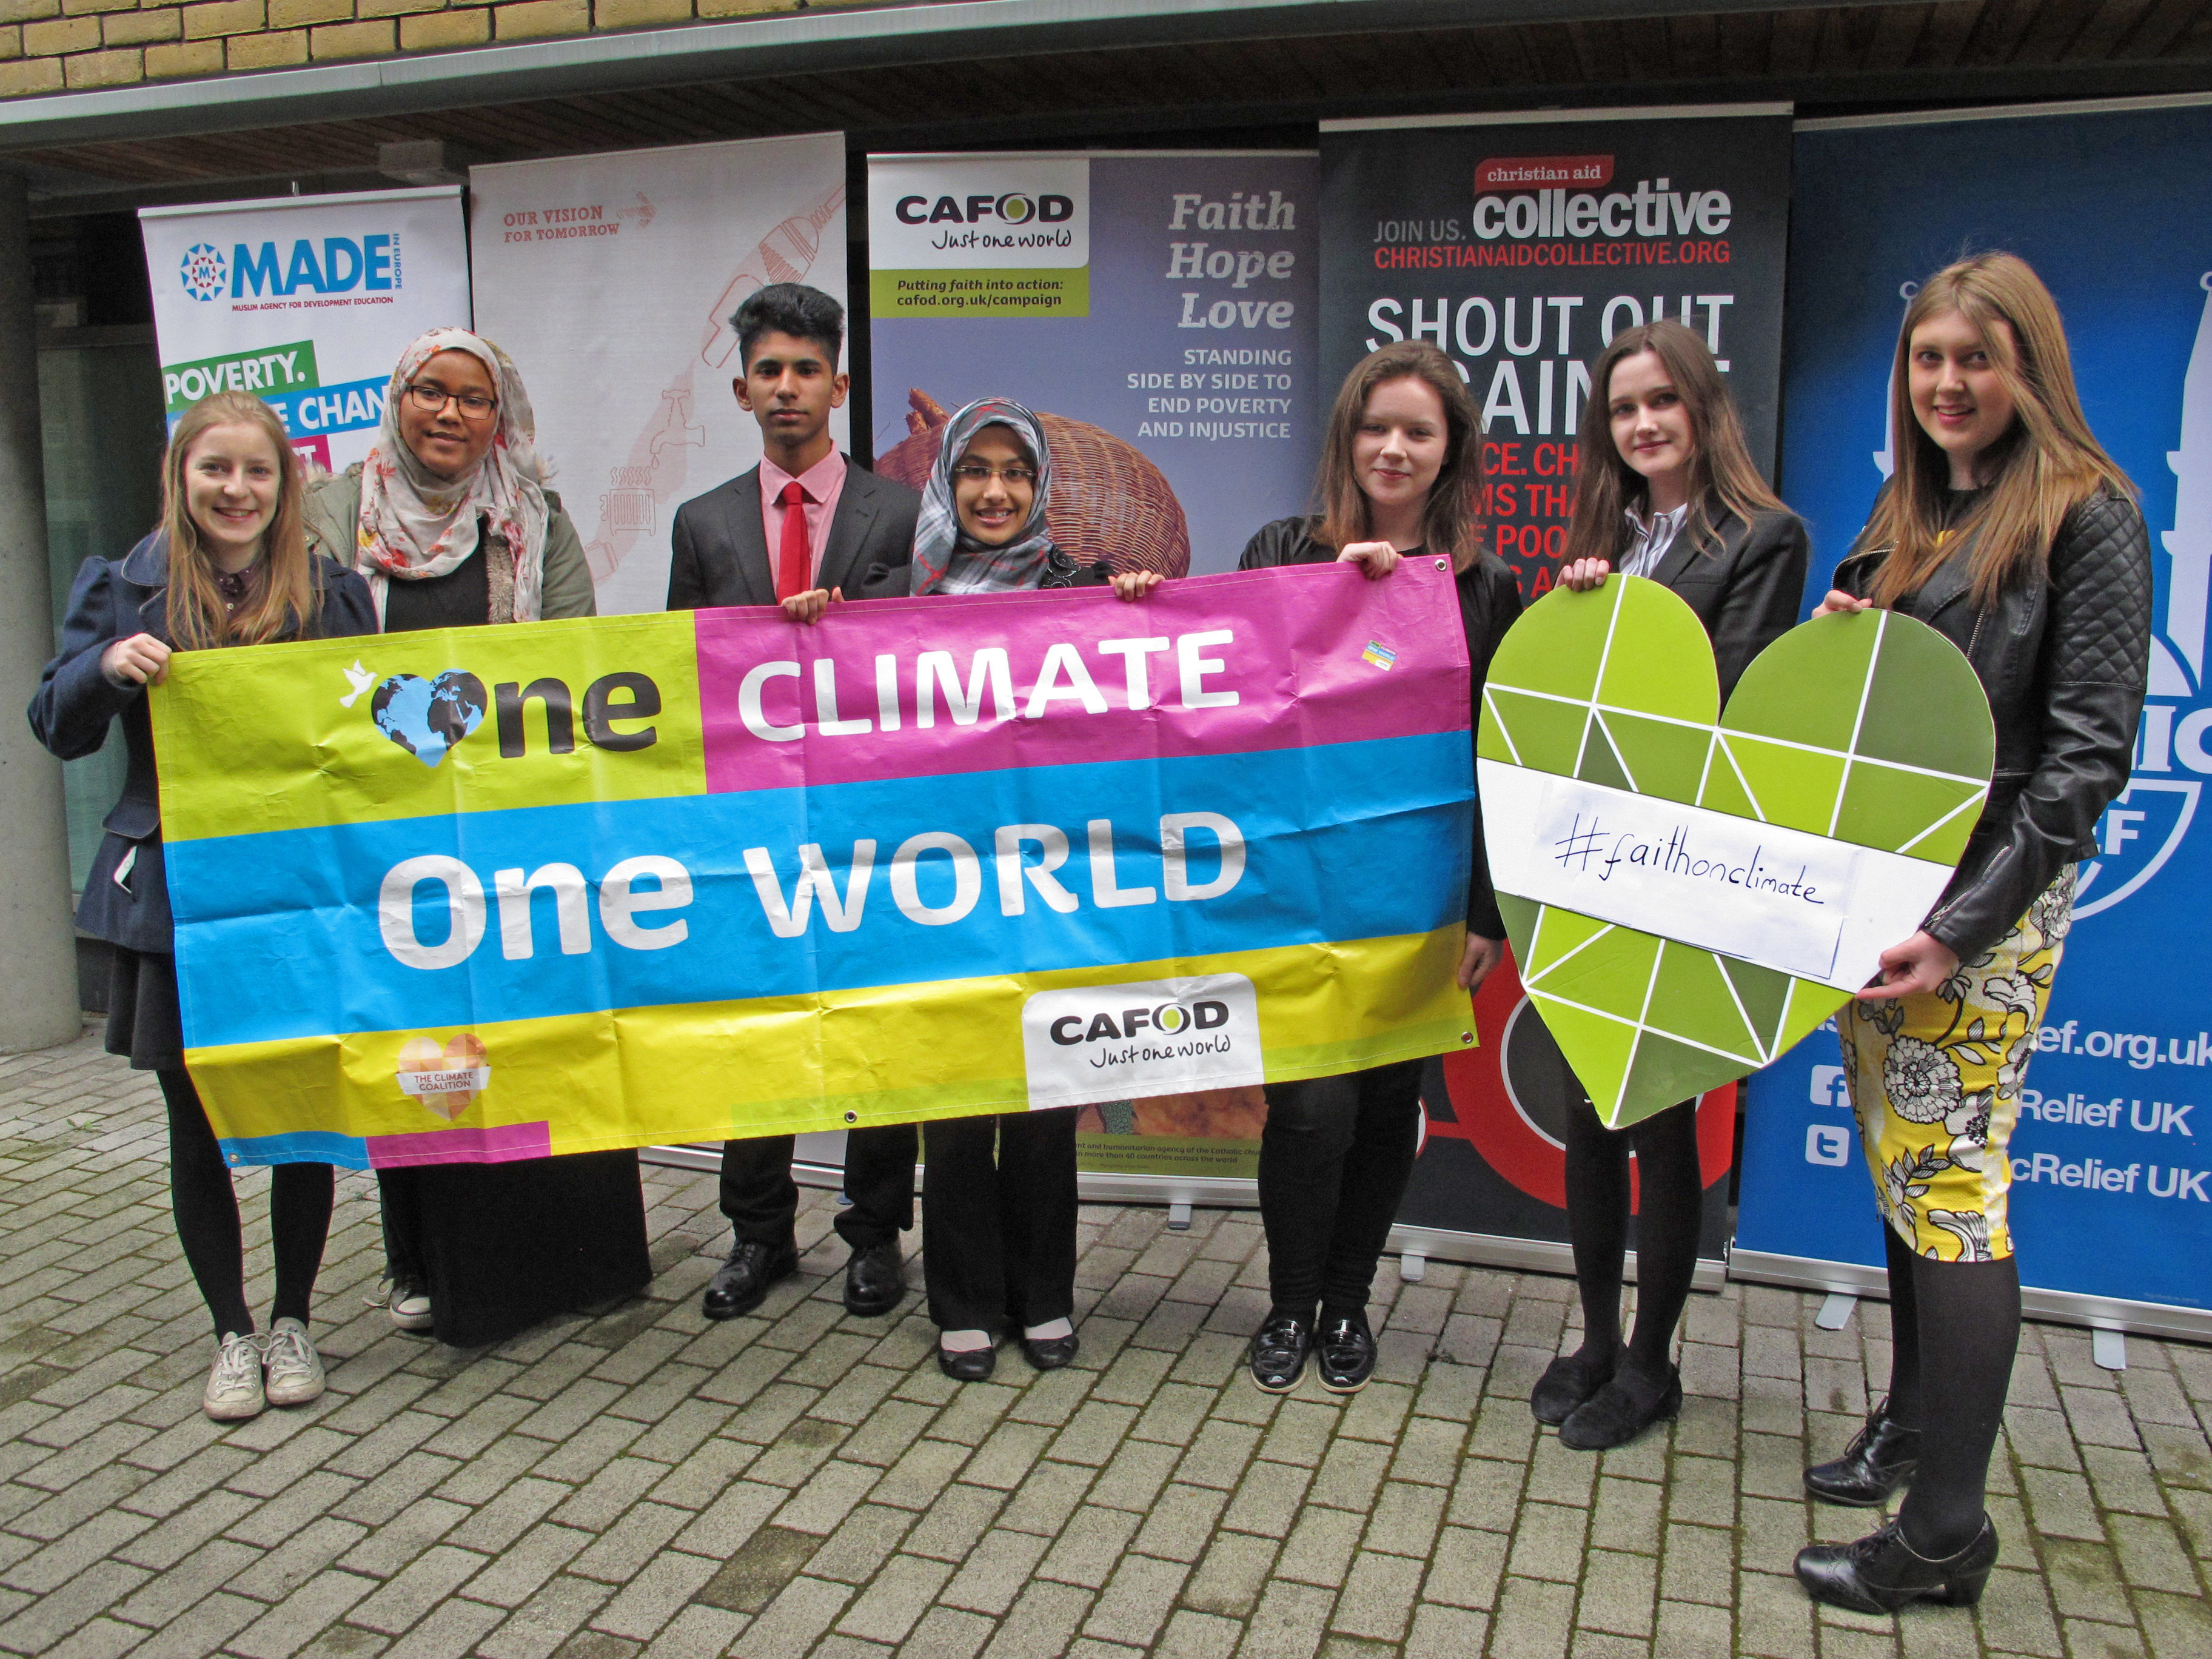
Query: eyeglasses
432, 399
976, 472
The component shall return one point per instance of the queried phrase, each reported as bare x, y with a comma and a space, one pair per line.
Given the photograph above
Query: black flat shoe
1630, 1403
1278, 1355
1567, 1382
1051, 1353
1882, 1573
741, 1283
873, 1284
967, 1365
1344, 1354
1880, 1458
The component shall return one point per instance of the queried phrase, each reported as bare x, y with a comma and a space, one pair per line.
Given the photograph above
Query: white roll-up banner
611, 281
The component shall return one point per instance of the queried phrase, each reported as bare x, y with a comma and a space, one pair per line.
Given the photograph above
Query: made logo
203, 272
338, 265
428, 718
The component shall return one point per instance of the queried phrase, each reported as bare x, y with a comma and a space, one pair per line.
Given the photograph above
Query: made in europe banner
501, 893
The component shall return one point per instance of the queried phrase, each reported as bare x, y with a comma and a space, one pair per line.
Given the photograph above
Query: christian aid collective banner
1520, 248
612, 882
611, 280
305, 301
1157, 310
2111, 1193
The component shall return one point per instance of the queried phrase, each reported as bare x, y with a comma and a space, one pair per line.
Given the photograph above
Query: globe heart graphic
1735, 877
427, 717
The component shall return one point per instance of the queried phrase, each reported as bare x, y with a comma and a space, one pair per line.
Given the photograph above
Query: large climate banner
552, 888
1520, 245
610, 280
305, 301
1157, 310
2111, 1193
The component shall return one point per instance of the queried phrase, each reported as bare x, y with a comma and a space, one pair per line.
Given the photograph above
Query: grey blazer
721, 556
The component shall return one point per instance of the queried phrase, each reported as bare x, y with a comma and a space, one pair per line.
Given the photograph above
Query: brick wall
50, 45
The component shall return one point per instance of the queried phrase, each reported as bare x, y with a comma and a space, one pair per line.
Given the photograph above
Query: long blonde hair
1451, 522
283, 597
2044, 466
1721, 469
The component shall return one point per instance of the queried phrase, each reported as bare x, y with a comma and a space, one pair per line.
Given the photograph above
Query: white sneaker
295, 1369
234, 1387
410, 1305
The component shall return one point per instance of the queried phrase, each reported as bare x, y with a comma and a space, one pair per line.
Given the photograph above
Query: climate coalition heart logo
1688, 892
427, 717
445, 1076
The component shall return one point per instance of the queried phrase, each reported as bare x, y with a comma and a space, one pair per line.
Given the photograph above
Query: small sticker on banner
1096, 1042
445, 1076
1381, 656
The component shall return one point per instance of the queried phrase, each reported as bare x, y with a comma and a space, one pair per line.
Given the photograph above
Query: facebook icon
1828, 1088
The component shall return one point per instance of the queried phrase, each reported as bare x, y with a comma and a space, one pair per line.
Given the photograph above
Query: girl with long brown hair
228, 567
2008, 528
1666, 489
1401, 474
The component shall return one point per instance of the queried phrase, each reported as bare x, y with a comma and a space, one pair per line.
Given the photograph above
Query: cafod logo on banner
980, 236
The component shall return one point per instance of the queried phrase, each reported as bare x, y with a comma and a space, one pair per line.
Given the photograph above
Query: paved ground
806, 1483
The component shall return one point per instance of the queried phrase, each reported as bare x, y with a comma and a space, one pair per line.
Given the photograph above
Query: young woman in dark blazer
228, 567
1664, 488
1401, 474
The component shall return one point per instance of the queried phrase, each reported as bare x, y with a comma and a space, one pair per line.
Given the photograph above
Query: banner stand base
2097, 1313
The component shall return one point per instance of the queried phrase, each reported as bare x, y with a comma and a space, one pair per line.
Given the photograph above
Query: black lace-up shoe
873, 1284
1882, 1573
741, 1283
1345, 1353
1279, 1352
1567, 1382
1880, 1458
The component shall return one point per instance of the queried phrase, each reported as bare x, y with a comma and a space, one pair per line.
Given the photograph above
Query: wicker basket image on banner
1109, 501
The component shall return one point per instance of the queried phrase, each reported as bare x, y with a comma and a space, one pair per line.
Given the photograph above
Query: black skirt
144, 1024
501, 1246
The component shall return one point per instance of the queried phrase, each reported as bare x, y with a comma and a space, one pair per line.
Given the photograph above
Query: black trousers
997, 1216
762, 1201
1334, 1160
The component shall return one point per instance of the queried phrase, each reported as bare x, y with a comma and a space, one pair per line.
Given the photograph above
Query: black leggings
1954, 1327
1670, 1207
1334, 1160
206, 1208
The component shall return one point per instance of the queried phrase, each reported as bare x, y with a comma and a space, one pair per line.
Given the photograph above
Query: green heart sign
1688, 892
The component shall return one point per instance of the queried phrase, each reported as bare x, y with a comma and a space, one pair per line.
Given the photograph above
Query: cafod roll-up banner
2111, 1155
305, 301
573, 885
1157, 310
610, 280
1519, 245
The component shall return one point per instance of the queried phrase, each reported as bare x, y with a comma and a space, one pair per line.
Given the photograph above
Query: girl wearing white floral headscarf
450, 521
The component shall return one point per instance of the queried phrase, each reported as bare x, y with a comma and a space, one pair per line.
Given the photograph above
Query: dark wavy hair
792, 308
1451, 523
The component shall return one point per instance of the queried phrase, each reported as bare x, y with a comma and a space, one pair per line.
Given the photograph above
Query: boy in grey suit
803, 528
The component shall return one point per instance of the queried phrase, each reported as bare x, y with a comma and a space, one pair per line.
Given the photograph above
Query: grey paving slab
802, 1485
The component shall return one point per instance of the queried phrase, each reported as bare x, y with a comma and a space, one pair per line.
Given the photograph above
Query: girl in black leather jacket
229, 566
1665, 488
2008, 528
1401, 474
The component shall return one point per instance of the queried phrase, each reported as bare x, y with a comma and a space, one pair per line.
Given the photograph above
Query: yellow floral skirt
1934, 1081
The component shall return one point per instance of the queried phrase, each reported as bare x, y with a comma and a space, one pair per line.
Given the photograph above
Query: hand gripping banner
500, 893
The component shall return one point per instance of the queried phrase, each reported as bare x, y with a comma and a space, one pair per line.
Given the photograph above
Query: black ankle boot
1880, 1458
1882, 1573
